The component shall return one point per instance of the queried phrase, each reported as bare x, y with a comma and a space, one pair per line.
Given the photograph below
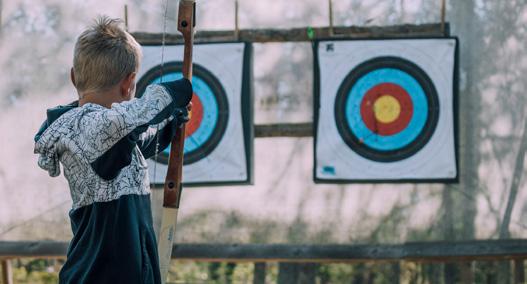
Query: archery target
210, 109
218, 135
386, 110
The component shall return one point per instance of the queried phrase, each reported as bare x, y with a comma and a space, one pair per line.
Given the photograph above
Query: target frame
234, 71
319, 167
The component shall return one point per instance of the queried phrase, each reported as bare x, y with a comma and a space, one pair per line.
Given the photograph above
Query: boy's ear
128, 86
72, 77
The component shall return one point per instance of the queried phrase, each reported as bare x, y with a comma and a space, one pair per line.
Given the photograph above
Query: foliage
45, 271
36, 271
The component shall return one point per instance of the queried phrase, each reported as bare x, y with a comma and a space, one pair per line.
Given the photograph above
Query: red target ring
196, 116
386, 109
386, 136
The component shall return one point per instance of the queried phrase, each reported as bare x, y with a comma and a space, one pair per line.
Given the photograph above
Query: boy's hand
181, 115
180, 90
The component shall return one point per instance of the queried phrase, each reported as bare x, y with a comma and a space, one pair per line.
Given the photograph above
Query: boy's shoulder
64, 121
52, 115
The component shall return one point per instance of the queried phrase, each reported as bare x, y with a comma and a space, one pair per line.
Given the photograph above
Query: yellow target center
387, 109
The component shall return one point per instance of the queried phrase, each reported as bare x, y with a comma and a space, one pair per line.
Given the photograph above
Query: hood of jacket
46, 139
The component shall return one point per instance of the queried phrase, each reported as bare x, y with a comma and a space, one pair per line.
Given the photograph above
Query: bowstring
163, 39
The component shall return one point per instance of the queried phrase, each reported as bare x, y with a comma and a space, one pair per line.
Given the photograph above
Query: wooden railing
298, 260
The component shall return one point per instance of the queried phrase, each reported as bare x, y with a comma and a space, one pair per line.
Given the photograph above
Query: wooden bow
172, 188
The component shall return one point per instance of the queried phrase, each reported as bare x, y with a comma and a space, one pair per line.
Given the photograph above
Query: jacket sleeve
101, 130
125, 124
109, 164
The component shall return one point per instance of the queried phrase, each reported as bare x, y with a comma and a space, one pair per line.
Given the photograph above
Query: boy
102, 141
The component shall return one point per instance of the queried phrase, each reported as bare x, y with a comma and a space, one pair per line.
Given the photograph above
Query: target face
209, 115
386, 109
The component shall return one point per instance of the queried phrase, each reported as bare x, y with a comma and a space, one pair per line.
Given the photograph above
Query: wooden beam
455, 251
42, 249
304, 129
297, 34
425, 251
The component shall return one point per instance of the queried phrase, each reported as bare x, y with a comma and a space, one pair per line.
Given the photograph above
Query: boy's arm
102, 130
147, 141
109, 165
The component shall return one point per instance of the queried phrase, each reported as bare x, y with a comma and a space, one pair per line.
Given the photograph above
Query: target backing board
385, 110
218, 139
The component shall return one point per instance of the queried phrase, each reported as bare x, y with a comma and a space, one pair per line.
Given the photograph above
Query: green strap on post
310, 33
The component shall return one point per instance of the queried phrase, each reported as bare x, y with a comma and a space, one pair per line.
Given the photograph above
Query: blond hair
104, 55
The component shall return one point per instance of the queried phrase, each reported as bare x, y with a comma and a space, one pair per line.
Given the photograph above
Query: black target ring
358, 144
221, 116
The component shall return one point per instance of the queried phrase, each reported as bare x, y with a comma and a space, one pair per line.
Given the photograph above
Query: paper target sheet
385, 110
219, 135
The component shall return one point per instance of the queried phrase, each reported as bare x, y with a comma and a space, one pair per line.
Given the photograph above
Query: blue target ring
371, 143
209, 103
374, 78
210, 110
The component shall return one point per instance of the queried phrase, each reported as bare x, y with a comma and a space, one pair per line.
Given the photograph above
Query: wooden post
287, 273
259, 273
467, 277
125, 17
519, 272
443, 15
504, 271
307, 273
297, 273
450, 269
396, 272
0, 17
331, 31
229, 271
236, 23
7, 272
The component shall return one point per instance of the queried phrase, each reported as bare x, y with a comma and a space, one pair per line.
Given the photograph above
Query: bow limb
172, 188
